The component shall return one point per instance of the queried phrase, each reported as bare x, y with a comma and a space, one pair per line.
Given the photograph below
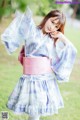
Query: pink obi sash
36, 65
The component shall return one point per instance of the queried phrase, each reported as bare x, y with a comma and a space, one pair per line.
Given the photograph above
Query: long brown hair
59, 16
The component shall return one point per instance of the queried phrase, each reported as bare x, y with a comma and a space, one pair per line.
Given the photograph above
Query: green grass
11, 70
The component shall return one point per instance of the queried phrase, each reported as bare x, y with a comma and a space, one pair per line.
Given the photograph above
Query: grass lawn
11, 70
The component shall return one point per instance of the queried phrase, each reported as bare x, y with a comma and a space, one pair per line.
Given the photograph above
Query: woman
49, 56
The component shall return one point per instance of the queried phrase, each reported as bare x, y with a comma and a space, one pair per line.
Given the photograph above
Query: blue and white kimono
38, 94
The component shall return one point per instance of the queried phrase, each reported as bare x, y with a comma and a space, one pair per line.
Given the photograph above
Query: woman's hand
59, 36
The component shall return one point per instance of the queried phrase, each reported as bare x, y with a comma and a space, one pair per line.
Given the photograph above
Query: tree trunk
3, 4
75, 10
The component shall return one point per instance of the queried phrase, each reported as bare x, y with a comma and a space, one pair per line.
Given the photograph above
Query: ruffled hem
34, 110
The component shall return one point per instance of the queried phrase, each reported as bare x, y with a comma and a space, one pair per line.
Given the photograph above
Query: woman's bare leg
36, 117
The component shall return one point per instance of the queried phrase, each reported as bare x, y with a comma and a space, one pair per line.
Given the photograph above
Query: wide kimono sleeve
18, 30
63, 65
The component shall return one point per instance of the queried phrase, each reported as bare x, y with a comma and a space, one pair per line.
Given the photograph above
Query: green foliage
46, 5
19, 4
8, 6
5, 8
43, 6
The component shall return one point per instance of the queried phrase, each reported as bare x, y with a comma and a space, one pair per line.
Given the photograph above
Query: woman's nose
52, 29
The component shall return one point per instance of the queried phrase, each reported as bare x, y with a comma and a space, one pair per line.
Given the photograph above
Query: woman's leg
36, 117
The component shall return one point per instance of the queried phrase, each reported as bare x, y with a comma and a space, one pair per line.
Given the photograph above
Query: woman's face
51, 25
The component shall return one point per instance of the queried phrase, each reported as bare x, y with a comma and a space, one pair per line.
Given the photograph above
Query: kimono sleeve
66, 55
18, 30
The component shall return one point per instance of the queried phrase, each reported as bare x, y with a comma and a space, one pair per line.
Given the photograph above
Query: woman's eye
56, 27
52, 22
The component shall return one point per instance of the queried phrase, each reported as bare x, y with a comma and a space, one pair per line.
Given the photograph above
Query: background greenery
7, 7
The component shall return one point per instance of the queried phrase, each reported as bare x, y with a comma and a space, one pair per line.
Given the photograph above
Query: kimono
38, 94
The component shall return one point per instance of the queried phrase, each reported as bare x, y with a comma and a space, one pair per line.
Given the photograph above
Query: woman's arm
63, 39
60, 36
66, 53
18, 31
